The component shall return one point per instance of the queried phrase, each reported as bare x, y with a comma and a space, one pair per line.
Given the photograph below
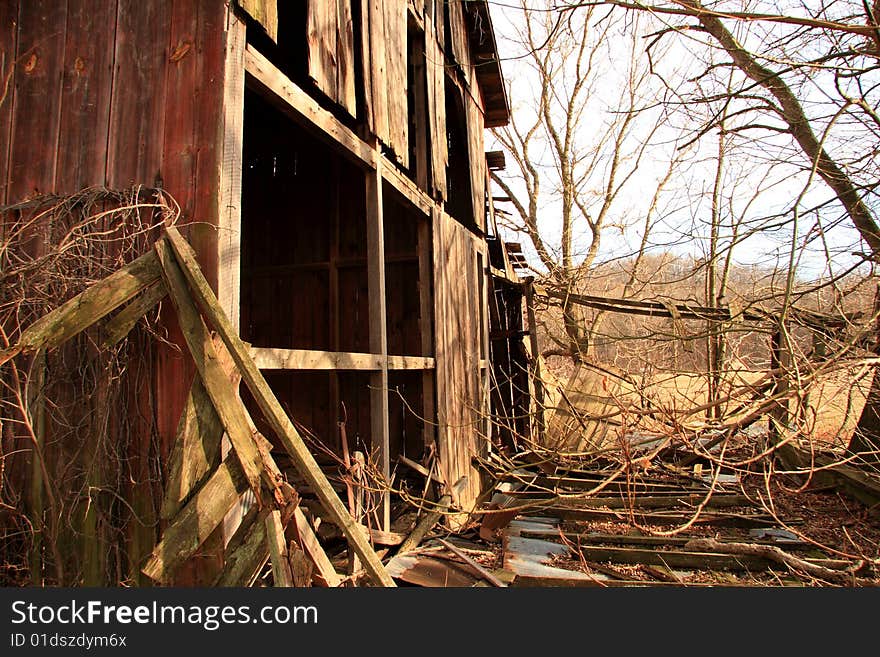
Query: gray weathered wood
196, 521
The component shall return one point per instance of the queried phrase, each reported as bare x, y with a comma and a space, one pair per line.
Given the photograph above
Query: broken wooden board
527, 557
124, 321
216, 382
310, 545
196, 521
86, 308
246, 553
277, 543
196, 449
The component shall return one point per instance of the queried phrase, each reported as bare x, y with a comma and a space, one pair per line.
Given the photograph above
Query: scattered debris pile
592, 521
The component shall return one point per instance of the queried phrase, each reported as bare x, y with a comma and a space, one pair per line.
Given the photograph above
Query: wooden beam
123, 322
222, 393
308, 359
197, 444
380, 429
638, 539
689, 559
268, 358
86, 308
196, 521
662, 518
278, 550
278, 88
273, 412
407, 188
637, 501
410, 363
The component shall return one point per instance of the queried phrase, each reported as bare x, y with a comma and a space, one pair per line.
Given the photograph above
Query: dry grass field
605, 398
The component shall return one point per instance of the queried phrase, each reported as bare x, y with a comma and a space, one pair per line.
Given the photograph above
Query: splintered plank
197, 445
278, 550
265, 12
310, 545
246, 553
86, 308
223, 395
274, 413
123, 322
196, 521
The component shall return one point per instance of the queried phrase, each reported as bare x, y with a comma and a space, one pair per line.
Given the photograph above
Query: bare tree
587, 120
800, 82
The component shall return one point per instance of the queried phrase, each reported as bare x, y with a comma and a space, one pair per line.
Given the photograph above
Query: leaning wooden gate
202, 485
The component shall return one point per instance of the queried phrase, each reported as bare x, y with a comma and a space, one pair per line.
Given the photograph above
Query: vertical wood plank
378, 330
86, 87
345, 80
321, 33
436, 99
419, 123
37, 100
476, 151
8, 53
396, 88
229, 198
458, 33
378, 69
182, 70
137, 106
426, 326
210, 133
458, 349
265, 12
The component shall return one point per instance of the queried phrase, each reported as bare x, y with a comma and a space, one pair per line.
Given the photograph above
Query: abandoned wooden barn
329, 163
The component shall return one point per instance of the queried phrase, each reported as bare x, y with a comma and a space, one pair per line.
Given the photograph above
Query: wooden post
779, 361
536, 363
229, 198
426, 326
37, 412
378, 332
